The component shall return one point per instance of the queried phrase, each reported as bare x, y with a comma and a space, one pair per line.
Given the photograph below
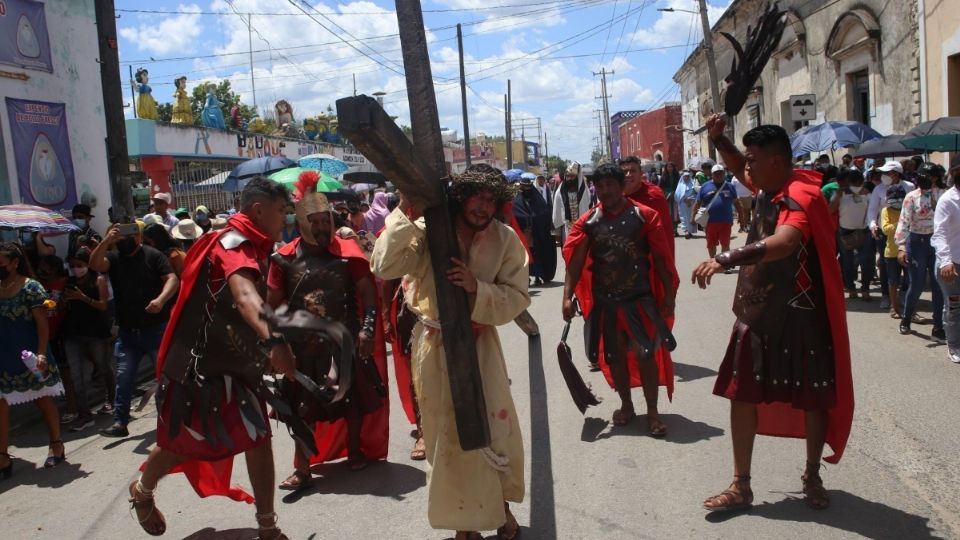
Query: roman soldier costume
789, 351
618, 290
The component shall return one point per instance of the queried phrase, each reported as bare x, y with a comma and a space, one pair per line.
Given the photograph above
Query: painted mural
42, 153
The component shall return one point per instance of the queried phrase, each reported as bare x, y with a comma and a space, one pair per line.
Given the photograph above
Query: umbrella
289, 176
255, 167
34, 219
698, 162
324, 162
889, 146
512, 175
528, 176
363, 187
582, 395
831, 135
940, 135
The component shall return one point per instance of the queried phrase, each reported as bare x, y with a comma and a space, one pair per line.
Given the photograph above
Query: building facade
654, 136
857, 67
939, 29
52, 127
616, 121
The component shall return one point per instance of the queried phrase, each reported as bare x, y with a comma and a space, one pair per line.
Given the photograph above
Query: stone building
939, 30
860, 58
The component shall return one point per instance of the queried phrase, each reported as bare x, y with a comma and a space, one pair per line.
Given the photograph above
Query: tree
227, 97
164, 112
597, 157
556, 163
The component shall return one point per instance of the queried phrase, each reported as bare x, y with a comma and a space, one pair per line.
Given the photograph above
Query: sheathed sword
581, 393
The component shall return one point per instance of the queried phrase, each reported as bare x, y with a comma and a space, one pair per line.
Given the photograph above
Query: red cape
652, 196
584, 291
208, 477
401, 361
780, 419
331, 437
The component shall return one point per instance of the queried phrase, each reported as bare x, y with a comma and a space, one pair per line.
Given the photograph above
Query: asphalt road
898, 479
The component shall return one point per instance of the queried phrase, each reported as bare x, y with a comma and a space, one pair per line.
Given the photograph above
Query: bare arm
669, 295
732, 157
98, 260
249, 303
783, 243
574, 269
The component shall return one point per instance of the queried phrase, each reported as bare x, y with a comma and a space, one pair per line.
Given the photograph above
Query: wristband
748, 254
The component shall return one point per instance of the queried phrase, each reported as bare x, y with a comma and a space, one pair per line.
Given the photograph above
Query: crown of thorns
474, 180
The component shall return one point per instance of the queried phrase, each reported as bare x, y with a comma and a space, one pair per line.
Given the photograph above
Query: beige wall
941, 93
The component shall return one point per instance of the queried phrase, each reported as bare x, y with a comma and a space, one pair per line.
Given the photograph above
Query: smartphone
128, 229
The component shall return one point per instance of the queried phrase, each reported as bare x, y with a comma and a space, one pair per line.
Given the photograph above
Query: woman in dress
23, 323
212, 113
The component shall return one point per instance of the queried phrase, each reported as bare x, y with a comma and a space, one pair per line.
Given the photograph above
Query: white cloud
172, 34
679, 26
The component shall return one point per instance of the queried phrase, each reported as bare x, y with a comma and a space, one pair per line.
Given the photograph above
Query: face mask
127, 246
80, 271
856, 189
291, 219
886, 179
4, 273
80, 222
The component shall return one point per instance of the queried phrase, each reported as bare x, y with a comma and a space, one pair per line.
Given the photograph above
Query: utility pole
118, 162
133, 96
600, 139
546, 154
253, 83
463, 99
608, 141
354, 85
509, 127
711, 59
506, 125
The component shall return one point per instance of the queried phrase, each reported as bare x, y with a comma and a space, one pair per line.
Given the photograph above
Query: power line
287, 14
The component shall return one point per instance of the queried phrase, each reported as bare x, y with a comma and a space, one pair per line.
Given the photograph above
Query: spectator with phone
85, 332
143, 284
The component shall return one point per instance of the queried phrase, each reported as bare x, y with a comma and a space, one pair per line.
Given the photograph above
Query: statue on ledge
146, 105
182, 111
212, 113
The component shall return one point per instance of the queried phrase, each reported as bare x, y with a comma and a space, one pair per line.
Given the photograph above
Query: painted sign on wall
24, 41
41, 148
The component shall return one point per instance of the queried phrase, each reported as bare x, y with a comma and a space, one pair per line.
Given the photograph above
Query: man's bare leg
158, 464
743, 432
650, 373
355, 458
262, 478
621, 381
816, 495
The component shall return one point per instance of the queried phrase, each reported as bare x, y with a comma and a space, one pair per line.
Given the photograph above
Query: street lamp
708, 47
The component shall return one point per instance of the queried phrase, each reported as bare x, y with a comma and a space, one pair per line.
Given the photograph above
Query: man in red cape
218, 293
621, 267
330, 277
787, 366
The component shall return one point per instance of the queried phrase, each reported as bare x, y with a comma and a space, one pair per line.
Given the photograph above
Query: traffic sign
803, 107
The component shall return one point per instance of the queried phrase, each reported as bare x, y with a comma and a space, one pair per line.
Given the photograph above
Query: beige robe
466, 490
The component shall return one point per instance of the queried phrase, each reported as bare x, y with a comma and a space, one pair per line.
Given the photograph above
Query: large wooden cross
419, 170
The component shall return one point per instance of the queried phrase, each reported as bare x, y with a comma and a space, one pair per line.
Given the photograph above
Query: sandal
738, 496
470, 535
657, 428
622, 417
297, 480
817, 497
894, 314
419, 452
511, 529
54, 460
357, 462
152, 522
7, 471
271, 531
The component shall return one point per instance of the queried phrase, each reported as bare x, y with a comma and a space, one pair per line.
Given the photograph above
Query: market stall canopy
889, 146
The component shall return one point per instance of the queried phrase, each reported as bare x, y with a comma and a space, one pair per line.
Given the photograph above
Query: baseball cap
165, 197
718, 168
81, 209
895, 195
891, 166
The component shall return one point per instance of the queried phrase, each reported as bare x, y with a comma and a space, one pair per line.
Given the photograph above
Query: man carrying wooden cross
468, 490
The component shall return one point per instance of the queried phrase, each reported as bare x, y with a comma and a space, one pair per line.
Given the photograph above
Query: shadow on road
681, 429
543, 517
230, 534
26, 473
847, 512
690, 372
380, 479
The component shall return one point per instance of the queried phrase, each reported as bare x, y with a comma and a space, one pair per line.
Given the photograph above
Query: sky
309, 52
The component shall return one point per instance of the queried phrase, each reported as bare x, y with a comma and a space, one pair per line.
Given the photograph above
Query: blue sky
548, 49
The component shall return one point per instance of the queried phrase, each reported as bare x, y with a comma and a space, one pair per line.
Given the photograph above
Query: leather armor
620, 253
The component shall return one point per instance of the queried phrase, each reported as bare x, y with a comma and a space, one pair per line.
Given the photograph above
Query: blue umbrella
528, 176
513, 175
831, 135
325, 163
264, 166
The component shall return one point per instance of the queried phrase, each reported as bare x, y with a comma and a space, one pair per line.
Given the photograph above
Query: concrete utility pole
463, 98
118, 161
711, 59
607, 142
546, 153
601, 138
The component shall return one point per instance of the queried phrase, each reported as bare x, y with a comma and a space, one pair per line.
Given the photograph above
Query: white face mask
856, 189
886, 179
80, 271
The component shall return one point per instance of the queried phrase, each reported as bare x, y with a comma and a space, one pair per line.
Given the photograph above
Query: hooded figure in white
571, 199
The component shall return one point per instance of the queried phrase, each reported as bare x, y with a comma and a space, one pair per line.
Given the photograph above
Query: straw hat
186, 230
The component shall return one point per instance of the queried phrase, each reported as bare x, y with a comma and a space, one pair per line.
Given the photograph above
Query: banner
24, 41
41, 149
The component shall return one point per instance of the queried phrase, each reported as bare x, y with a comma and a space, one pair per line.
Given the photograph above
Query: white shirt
853, 211
946, 227
742, 190
878, 201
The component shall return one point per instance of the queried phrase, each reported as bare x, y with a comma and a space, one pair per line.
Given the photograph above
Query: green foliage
556, 163
228, 98
164, 112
